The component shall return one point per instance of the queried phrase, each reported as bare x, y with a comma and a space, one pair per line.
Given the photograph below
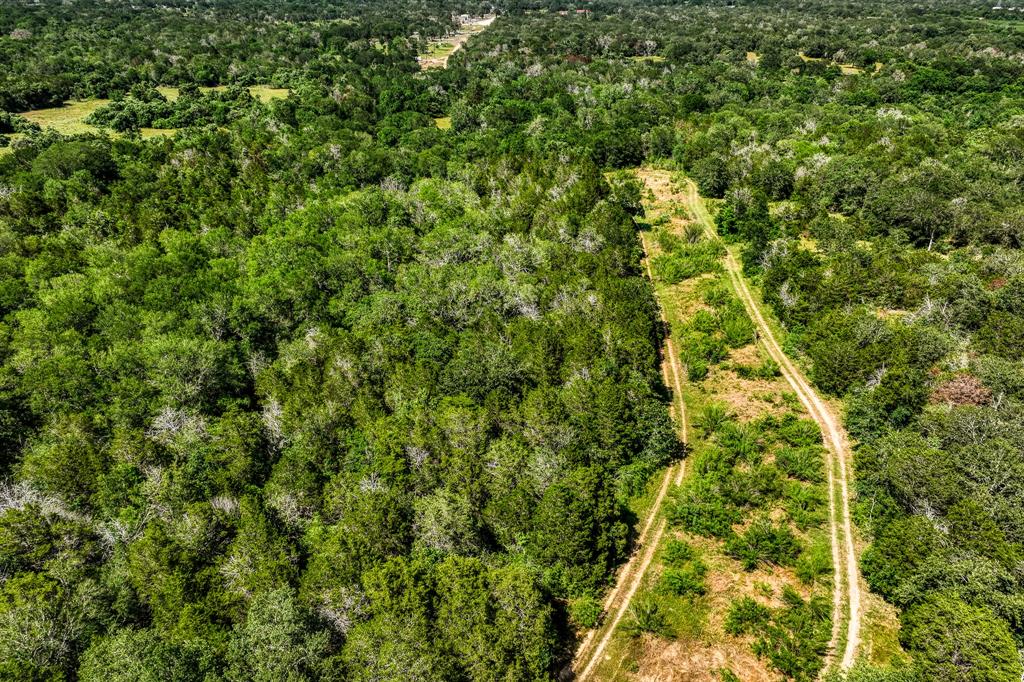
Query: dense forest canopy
316, 389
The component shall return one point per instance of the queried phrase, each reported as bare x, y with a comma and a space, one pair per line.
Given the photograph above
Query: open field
263, 93
69, 119
847, 69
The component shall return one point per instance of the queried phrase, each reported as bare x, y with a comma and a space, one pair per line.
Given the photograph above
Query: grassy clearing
880, 633
68, 119
442, 49
263, 93
149, 133
846, 69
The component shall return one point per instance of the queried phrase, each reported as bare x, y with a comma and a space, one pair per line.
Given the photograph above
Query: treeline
148, 108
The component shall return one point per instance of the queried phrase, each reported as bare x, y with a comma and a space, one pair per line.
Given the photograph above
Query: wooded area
316, 389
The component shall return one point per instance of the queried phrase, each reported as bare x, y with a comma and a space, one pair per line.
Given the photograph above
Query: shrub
768, 369
798, 432
693, 233
713, 464
688, 260
696, 370
718, 295
814, 561
667, 241
805, 504
746, 616
703, 321
686, 580
585, 612
753, 487
764, 542
741, 440
805, 463
700, 508
677, 553
797, 638
959, 642
712, 417
737, 329
701, 346
646, 616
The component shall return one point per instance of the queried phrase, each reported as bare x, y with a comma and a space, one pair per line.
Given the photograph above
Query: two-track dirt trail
846, 592
454, 43
630, 576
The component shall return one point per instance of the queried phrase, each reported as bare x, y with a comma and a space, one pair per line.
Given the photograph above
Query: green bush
717, 294
585, 612
703, 321
668, 242
741, 440
769, 369
737, 329
712, 417
815, 561
699, 508
804, 463
746, 616
687, 580
753, 487
701, 346
955, 641
688, 260
645, 615
696, 370
764, 542
798, 432
796, 640
805, 504
677, 553
713, 464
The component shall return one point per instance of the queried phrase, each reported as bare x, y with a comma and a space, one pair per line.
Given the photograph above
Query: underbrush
793, 638
686, 256
757, 487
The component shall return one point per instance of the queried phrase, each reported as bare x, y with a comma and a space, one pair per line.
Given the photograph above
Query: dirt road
630, 577
453, 43
846, 591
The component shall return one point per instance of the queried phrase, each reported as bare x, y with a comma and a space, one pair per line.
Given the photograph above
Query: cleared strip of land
846, 595
847, 607
440, 50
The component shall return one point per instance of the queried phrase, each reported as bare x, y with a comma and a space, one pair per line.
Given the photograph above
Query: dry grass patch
68, 119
